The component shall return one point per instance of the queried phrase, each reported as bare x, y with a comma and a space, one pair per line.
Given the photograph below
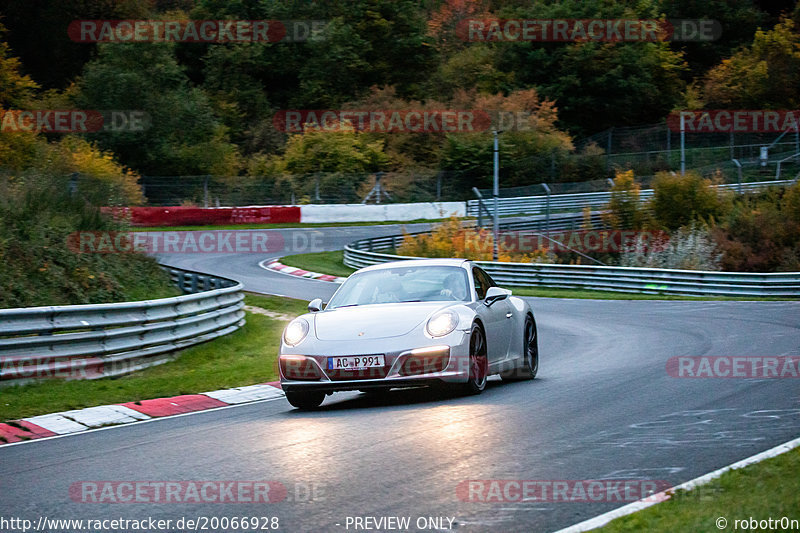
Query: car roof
418, 262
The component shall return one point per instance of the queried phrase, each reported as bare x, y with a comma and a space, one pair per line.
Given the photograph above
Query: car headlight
295, 332
442, 323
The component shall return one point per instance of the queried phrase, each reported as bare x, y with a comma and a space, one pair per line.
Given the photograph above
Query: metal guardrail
534, 205
102, 340
607, 278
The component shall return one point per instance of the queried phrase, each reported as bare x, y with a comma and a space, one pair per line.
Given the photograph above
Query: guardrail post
547, 209
739, 174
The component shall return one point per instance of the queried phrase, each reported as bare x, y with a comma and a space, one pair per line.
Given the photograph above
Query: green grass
322, 262
768, 489
244, 357
331, 263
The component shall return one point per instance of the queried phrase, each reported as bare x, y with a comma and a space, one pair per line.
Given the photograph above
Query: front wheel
530, 361
304, 399
478, 362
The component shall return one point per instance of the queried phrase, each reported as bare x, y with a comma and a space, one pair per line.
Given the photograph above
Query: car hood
372, 321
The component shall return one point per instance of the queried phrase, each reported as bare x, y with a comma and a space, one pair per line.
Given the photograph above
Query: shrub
37, 214
690, 248
679, 200
761, 233
624, 210
452, 239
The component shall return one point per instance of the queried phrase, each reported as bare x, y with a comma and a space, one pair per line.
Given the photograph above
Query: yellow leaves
72, 154
452, 239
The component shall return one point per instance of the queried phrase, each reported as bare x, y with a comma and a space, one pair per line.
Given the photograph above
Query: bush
624, 210
679, 200
690, 248
761, 233
451, 239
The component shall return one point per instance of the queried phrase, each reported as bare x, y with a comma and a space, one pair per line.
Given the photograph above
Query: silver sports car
407, 324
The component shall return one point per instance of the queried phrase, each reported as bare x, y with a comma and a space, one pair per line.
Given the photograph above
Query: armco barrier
531, 205
100, 340
644, 280
190, 216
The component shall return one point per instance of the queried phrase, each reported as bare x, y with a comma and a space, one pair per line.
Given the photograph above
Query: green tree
596, 84
738, 20
38, 33
341, 160
527, 150
183, 138
765, 74
16, 89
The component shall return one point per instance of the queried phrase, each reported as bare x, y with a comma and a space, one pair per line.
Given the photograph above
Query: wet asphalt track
603, 407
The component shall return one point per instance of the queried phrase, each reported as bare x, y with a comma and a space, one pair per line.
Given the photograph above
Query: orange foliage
452, 239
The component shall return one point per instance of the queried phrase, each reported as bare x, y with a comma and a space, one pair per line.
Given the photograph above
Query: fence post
683, 145
547, 209
669, 147
205, 191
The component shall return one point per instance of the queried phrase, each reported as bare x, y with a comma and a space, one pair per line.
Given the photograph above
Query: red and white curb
271, 264
605, 518
79, 420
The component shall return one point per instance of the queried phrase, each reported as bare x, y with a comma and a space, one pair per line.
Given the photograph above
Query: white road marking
605, 518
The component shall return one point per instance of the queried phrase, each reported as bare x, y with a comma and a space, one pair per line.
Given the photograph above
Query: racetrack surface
603, 407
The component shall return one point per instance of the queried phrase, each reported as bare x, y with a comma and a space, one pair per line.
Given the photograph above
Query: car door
497, 318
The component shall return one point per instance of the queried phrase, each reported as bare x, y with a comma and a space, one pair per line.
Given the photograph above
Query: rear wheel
305, 399
478, 362
529, 366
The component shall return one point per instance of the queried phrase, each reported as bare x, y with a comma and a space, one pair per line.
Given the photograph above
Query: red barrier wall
195, 216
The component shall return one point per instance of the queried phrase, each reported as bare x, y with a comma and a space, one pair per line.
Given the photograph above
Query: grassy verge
331, 263
40, 226
764, 490
244, 357
322, 262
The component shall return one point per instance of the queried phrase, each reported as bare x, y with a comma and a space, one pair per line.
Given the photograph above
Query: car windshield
403, 284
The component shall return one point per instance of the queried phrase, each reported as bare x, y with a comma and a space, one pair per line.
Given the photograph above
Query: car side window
482, 283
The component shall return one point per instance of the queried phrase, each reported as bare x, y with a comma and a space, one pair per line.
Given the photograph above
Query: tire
305, 400
478, 362
530, 362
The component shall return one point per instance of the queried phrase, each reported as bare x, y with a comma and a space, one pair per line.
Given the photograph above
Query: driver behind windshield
454, 288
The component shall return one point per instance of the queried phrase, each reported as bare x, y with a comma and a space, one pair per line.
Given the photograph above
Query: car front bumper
433, 361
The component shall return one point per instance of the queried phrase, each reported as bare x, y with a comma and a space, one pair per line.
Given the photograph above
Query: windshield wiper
348, 305
408, 301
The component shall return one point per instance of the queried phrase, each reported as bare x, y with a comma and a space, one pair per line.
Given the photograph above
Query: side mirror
315, 305
495, 294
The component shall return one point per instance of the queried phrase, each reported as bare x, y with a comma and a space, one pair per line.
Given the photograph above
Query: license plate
355, 362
